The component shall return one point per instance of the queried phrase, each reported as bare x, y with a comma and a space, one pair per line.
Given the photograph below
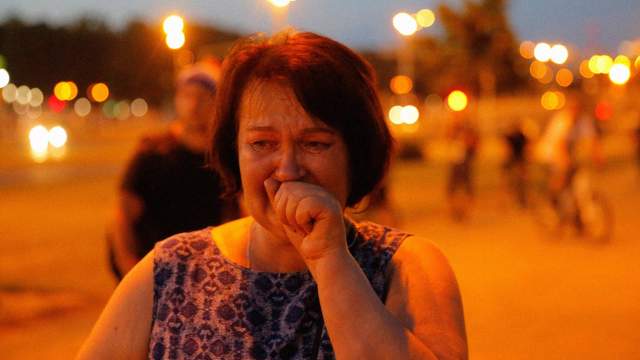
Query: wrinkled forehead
265, 101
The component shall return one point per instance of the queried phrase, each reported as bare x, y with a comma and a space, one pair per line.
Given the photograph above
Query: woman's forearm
359, 325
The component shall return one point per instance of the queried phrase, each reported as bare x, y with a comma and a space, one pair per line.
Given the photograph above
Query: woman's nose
289, 167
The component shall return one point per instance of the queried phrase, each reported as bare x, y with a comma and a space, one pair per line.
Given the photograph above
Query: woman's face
277, 139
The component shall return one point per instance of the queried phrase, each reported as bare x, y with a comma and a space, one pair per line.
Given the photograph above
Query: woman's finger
271, 186
290, 211
303, 216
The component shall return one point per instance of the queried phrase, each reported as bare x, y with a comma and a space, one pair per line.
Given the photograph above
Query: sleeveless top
207, 307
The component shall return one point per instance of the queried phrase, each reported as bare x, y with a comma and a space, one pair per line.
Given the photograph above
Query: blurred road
526, 295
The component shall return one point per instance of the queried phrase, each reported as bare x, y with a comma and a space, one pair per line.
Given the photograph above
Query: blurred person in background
571, 140
463, 141
636, 141
570, 146
515, 165
301, 133
167, 188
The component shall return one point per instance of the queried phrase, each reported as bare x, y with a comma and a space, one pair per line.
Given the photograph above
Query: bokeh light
603, 111
457, 100
55, 104
559, 54
82, 107
542, 52
395, 114
553, 100
538, 70
409, 114
4, 78
585, 71
280, 3
548, 77
99, 92
526, 49
39, 142
173, 24
621, 59
23, 95
401, 84
122, 110
62, 91
603, 64
619, 74
175, 40
425, 18
564, 77
37, 97
9, 93
57, 136
637, 63
139, 107
109, 109
405, 24
73, 90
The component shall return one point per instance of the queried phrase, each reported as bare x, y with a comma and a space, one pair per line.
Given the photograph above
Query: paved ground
526, 296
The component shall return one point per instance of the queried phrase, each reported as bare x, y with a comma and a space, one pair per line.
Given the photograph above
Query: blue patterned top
207, 307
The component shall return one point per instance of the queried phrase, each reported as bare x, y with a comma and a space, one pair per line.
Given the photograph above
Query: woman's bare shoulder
424, 296
123, 329
420, 252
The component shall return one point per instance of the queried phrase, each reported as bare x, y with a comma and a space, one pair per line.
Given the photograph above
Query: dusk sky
591, 25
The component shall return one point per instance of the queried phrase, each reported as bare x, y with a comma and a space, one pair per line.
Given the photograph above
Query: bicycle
579, 206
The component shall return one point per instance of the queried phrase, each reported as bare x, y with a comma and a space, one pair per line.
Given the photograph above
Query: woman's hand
311, 217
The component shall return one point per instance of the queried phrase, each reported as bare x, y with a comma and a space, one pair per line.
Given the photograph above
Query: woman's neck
266, 252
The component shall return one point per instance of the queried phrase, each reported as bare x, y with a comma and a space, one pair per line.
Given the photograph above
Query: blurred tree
478, 51
134, 62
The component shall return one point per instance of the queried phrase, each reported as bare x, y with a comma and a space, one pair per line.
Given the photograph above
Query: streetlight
279, 13
619, 74
408, 24
175, 40
405, 24
173, 26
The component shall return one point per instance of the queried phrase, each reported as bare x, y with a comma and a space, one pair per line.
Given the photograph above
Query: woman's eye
262, 145
315, 146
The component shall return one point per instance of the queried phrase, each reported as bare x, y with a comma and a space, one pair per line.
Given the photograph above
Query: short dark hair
332, 84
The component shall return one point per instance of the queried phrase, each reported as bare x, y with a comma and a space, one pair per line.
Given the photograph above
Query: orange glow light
604, 111
62, 90
99, 92
401, 84
457, 100
538, 70
585, 70
526, 49
564, 77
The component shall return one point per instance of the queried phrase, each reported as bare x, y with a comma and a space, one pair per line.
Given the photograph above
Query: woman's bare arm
422, 318
123, 329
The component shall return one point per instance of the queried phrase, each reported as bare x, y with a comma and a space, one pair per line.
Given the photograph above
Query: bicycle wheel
596, 218
545, 214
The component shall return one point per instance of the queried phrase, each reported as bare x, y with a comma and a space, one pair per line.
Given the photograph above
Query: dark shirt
517, 142
179, 193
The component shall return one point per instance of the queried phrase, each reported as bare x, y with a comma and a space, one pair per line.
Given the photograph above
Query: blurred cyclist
570, 142
463, 145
